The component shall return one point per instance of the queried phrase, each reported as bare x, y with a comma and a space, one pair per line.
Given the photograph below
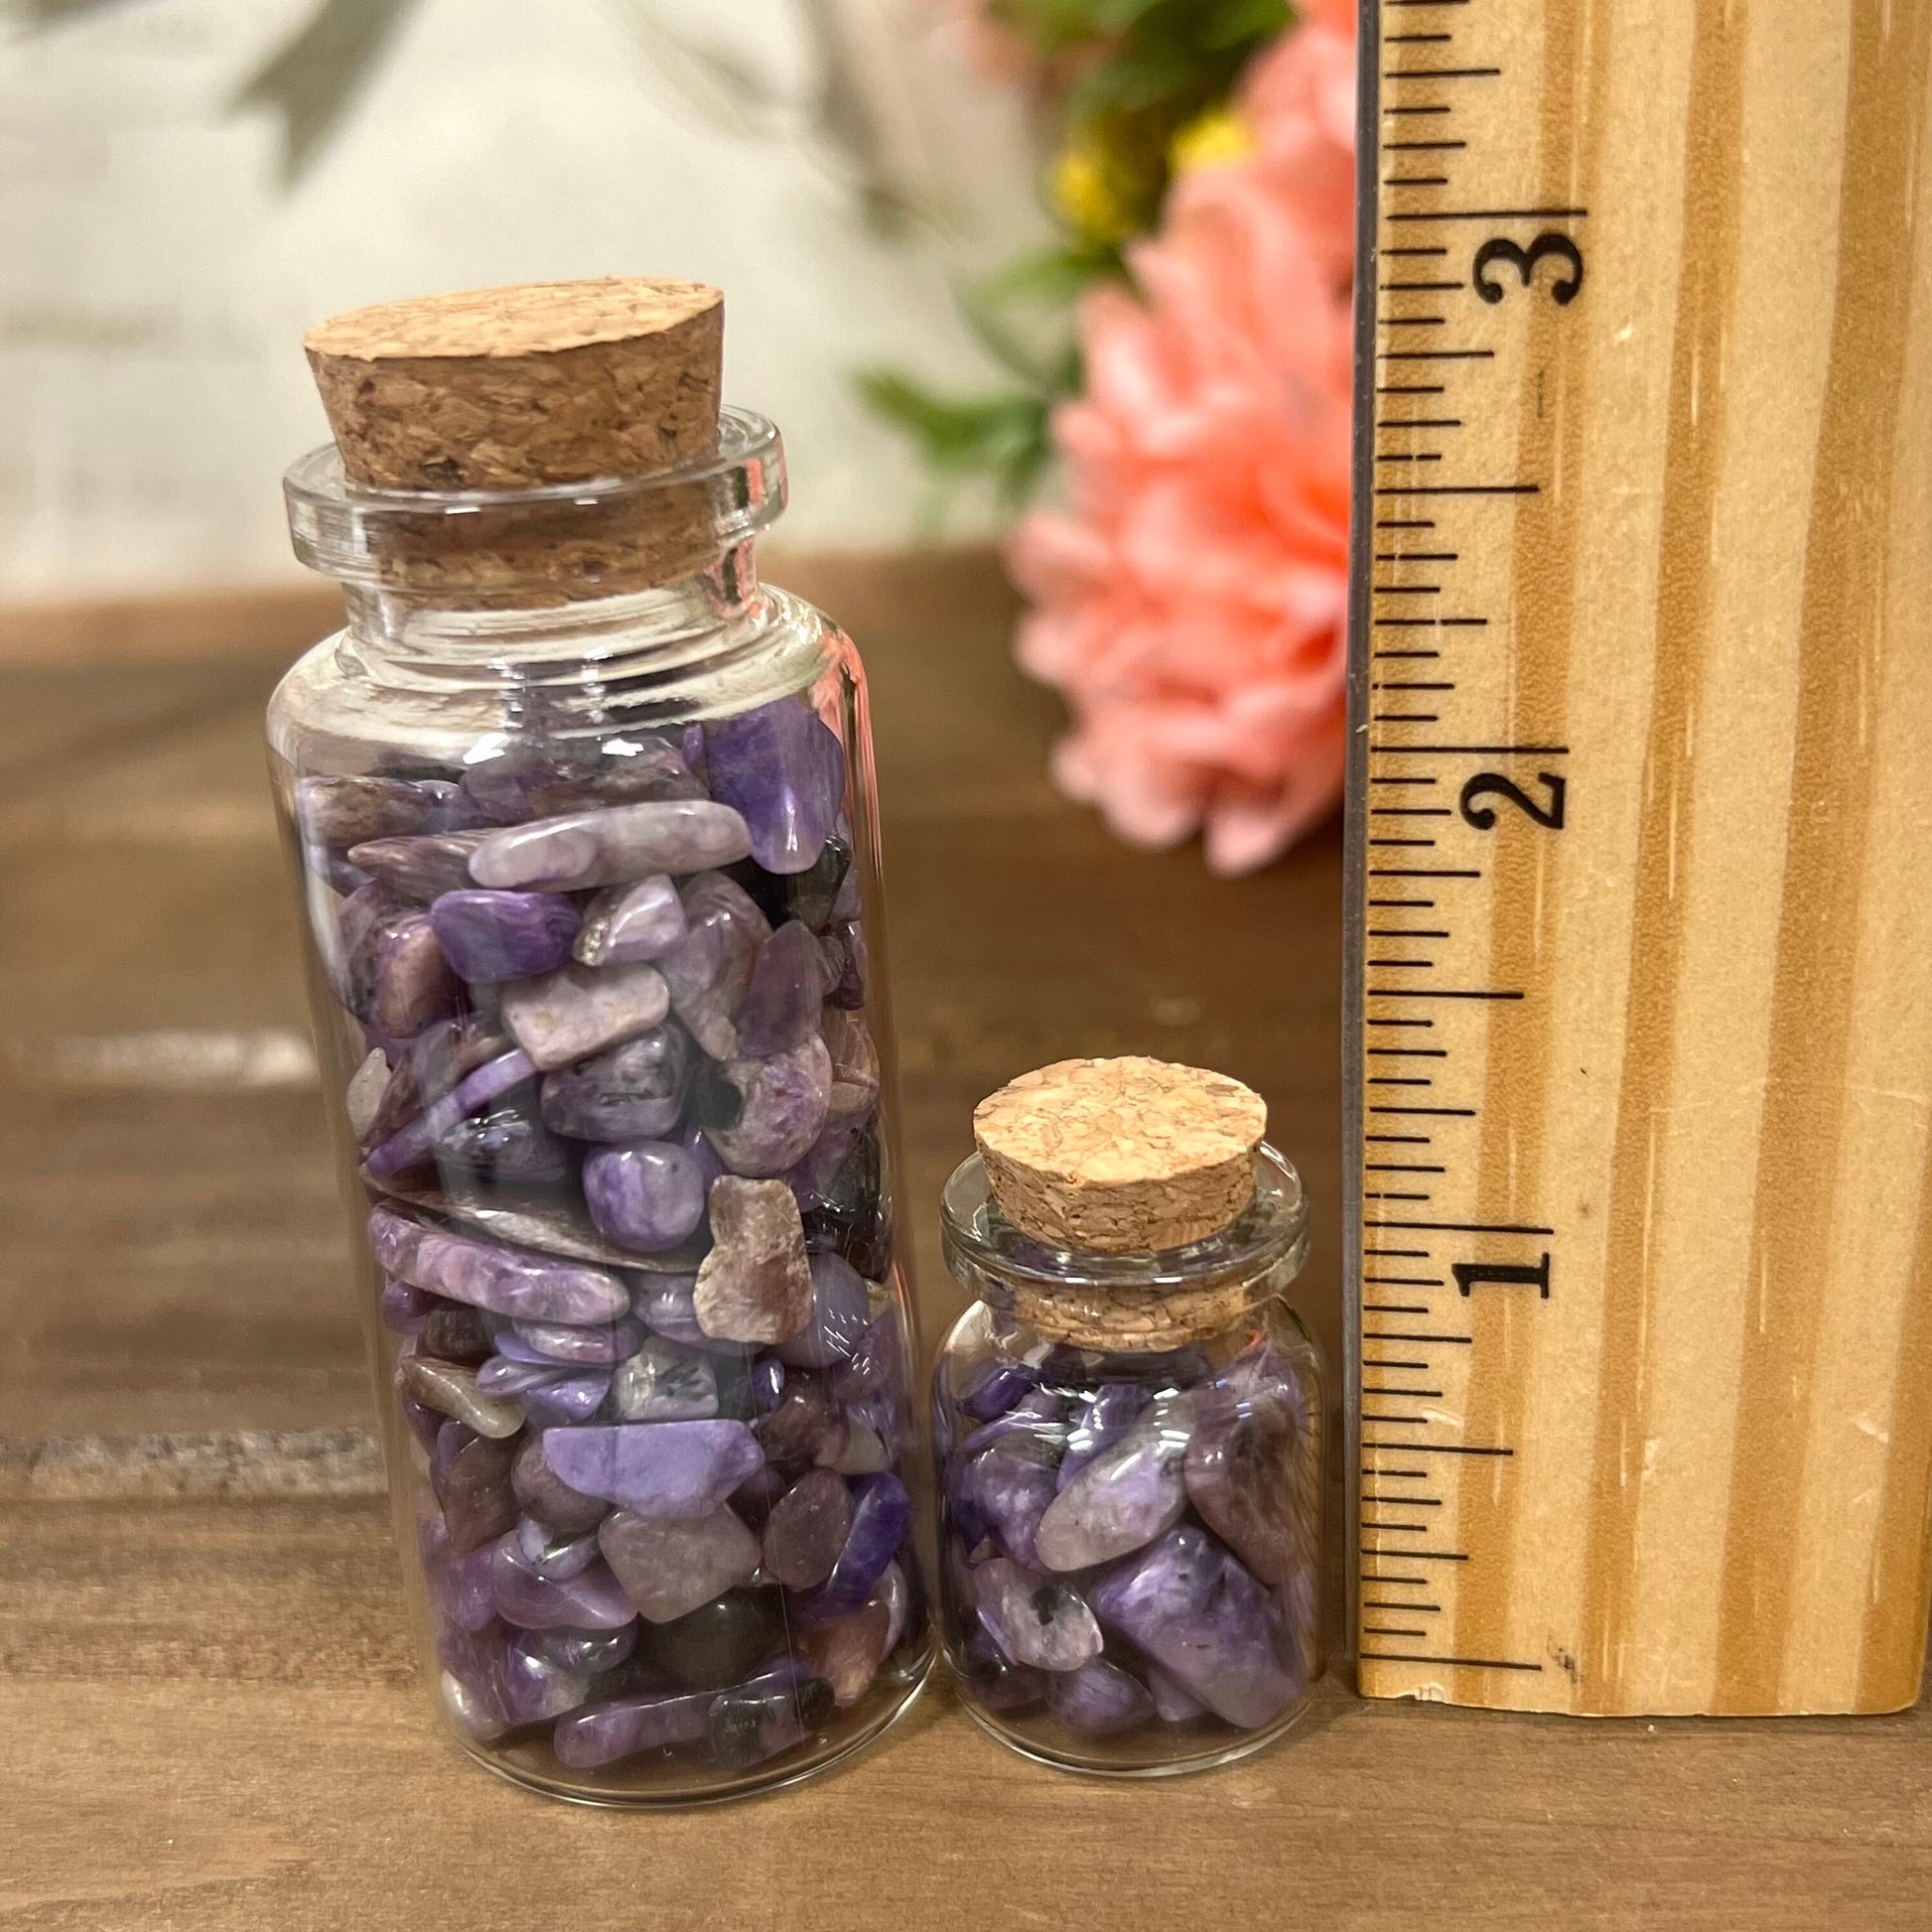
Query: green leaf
312, 78
999, 440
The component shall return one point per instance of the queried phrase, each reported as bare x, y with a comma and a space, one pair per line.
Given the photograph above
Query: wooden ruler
1640, 986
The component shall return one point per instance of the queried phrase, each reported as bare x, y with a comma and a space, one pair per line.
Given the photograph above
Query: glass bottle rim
352, 532
1262, 1248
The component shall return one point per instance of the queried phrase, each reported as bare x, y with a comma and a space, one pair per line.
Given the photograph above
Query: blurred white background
834, 165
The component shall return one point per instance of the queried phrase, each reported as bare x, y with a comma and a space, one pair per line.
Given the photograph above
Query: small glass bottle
583, 822
1129, 1446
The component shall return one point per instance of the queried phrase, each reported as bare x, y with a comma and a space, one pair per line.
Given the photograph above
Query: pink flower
1190, 601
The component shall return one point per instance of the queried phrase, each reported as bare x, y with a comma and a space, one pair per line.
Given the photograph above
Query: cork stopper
554, 382
1123, 1155
522, 389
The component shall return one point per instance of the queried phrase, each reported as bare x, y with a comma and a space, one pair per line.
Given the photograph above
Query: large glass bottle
592, 882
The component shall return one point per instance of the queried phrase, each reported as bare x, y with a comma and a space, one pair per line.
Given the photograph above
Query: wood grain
1687, 1070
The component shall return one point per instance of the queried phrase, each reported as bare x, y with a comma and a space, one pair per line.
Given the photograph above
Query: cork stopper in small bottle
503, 388
1121, 1156
518, 388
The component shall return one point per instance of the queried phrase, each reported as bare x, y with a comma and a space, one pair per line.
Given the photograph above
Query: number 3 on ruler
1483, 817
1562, 291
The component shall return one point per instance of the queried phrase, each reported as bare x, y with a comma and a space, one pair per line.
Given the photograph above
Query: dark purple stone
410, 982
993, 1386
1189, 1607
841, 1314
492, 936
708, 970
537, 1689
768, 1386
784, 770
1012, 1483
845, 1210
547, 1497
420, 869
592, 1599
414, 1145
787, 987
1035, 1418
1099, 1700
1243, 1470
458, 1580
849, 964
722, 1642
349, 808
881, 1514
805, 1426
404, 1310
762, 1116
506, 1150
455, 1334
646, 1197
631, 1092
751, 1724
997, 1682
812, 896
542, 781
588, 1652
474, 1485
808, 1530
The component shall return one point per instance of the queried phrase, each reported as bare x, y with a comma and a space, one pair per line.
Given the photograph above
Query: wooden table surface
213, 1718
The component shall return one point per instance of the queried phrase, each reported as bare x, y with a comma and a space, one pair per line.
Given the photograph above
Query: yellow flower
1211, 140
1088, 193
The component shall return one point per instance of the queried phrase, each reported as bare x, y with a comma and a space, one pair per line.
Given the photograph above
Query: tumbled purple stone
587, 1652
608, 1733
1099, 1700
638, 921
762, 1116
577, 1011
808, 1530
1038, 1620
768, 1386
656, 1470
708, 970
575, 1396
404, 1310
669, 1566
415, 1144
349, 808
841, 1312
538, 1288
535, 1687
1012, 1483
1035, 1416
458, 1580
805, 1428
895, 1594
472, 1686
1110, 1412
592, 1599
664, 1305
849, 963
1189, 1607
506, 1150
550, 1554
995, 1681
456, 1335
751, 1724
784, 770
492, 936
662, 1381
410, 982
881, 1514
994, 1386
556, 1341
540, 780
420, 869
646, 1197
1124, 1498
787, 987
612, 845
755, 1284
546, 1496
633, 1091
1174, 1701
472, 1482
1242, 1469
